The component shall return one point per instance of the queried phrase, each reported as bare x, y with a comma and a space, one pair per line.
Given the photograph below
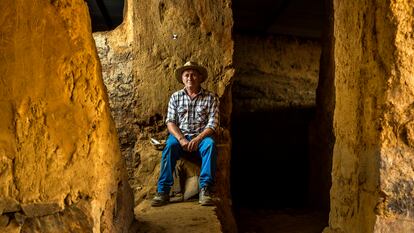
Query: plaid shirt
192, 116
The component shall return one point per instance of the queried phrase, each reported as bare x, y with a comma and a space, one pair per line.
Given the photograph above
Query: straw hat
191, 65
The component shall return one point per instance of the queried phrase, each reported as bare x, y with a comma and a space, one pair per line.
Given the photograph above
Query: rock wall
60, 164
139, 58
116, 53
145, 47
275, 72
321, 137
372, 172
396, 172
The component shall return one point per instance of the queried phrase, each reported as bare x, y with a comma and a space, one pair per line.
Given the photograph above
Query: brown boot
160, 199
205, 198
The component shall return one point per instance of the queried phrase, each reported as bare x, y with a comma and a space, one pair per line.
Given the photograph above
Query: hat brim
200, 69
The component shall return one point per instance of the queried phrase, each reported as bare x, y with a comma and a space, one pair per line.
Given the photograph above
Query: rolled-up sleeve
172, 111
213, 117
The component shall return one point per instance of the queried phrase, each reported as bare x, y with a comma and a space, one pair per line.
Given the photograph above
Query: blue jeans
206, 150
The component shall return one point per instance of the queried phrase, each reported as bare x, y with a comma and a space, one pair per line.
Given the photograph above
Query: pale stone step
177, 218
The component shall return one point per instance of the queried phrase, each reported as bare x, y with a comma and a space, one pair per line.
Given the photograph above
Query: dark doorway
276, 57
270, 162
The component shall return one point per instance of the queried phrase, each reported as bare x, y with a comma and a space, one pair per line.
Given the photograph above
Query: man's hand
184, 143
193, 144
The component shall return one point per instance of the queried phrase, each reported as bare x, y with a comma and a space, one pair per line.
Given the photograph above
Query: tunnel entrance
270, 156
276, 57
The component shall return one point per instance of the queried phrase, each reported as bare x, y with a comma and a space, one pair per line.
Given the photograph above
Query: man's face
191, 79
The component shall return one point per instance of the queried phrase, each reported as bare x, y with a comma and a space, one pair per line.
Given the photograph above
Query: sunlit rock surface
60, 165
372, 70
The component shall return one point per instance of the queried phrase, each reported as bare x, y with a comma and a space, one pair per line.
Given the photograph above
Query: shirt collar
201, 92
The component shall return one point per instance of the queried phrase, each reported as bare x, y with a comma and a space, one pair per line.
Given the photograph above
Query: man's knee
171, 144
209, 141
172, 149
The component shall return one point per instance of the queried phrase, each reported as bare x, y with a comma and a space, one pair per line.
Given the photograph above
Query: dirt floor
190, 217
187, 217
280, 221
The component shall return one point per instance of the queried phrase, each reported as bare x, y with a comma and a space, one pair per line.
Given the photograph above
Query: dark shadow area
278, 17
276, 182
270, 158
271, 172
105, 15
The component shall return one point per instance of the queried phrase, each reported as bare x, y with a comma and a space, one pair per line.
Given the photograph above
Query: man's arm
176, 132
193, 144
171, 123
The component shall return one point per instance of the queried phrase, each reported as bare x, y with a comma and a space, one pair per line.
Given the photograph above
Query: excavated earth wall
372, 173
139, 58
60, 165
274, 72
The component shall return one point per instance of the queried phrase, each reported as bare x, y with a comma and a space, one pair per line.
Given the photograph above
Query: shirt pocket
201, 114
182, 114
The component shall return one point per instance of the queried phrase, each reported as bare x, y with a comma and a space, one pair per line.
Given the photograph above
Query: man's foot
160, 199
204, 197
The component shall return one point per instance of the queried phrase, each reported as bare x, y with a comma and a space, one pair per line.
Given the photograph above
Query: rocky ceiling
301, 18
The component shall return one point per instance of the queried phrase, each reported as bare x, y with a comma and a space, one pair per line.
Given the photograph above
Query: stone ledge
41, 209
8, 205
177, 218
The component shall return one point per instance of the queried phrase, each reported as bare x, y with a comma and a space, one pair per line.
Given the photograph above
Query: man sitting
192, 119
